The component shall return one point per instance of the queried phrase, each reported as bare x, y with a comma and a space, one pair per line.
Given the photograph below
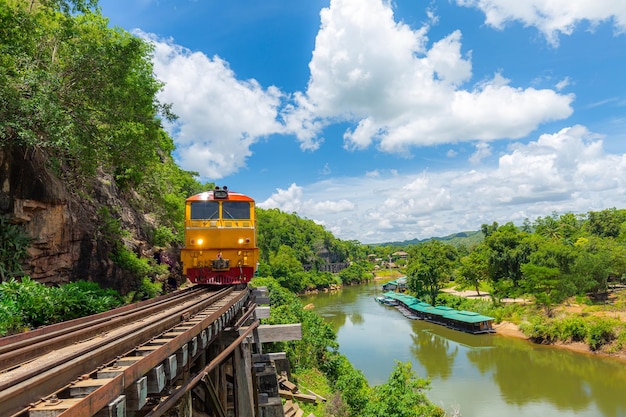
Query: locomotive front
220, 238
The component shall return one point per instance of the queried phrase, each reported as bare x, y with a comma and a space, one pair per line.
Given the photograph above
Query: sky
396, 120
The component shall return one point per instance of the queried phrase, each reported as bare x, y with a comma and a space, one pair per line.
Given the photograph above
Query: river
475, 375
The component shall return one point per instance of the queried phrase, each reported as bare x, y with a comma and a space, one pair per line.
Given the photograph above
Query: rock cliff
61, 217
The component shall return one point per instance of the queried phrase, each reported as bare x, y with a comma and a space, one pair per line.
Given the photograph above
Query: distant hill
467, 239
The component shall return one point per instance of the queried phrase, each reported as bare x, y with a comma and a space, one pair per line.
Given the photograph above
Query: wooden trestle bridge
195, 351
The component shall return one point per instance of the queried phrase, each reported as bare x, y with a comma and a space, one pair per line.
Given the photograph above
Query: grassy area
314, 380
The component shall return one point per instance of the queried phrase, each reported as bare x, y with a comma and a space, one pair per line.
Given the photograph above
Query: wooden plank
311, 399
288, 406
268, 357
262, 312
319, 397
278, 332
288, 385
261, 300
260, 291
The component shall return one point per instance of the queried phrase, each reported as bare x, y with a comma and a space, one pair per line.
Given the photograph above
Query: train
220, 238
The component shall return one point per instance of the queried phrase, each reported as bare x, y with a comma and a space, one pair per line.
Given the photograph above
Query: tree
597, 259
544, 284
83, 93
401, 396
473, 269
508, 249
429, 268
354, 274
285, 266
606, 223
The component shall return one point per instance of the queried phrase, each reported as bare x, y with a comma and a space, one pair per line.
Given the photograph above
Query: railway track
79, 367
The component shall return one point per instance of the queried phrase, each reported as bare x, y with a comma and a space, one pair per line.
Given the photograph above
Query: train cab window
203, 210
236, 210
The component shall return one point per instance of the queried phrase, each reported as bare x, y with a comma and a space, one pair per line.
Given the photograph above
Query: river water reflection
479, 375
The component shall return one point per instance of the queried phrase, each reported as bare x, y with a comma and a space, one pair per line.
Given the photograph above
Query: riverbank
509, 329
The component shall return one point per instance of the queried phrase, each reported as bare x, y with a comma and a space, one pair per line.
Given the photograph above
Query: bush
163, 236
572, 329
600, 332
14, 244
540, 329
29, 304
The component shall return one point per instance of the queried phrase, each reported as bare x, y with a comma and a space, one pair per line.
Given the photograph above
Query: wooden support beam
278, 332
268, 357
262, 312
215, 402
311, 399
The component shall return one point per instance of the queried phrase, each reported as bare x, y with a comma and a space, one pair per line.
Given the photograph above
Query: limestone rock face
62, 220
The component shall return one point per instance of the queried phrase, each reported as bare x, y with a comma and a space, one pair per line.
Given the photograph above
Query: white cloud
565, 82
567, 171
381, 75
552, 17
220, 117
288, 200
483, 150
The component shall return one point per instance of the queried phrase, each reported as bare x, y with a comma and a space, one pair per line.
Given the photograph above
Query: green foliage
84, 94
83, 91
508, 250
430, 267
140, 268
599, 332
595, 331
356, 273
163, 236
473, 269
318, 338
572, 329
309, 241
149, 289
28, 304
14, 244
402, 396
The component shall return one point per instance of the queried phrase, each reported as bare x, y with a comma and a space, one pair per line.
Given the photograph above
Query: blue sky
387, 121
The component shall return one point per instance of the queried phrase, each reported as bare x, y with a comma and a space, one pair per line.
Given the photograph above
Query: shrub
540, 329
29, 304
599, 332
14, 244
163, 236
573, 329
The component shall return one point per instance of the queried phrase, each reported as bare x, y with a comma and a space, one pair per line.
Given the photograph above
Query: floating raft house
467, 321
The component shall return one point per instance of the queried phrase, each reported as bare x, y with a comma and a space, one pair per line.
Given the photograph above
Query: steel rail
102, 396
245, 316
14, 340
40, 382
25, 348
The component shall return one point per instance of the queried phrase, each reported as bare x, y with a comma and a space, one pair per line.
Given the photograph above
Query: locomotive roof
208, 196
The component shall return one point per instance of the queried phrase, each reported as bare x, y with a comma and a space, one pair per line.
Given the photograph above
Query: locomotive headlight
241, 240
200, 241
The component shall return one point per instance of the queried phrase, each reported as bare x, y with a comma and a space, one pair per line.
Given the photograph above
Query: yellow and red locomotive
220, 238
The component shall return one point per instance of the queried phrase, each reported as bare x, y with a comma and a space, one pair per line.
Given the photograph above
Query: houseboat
466, 321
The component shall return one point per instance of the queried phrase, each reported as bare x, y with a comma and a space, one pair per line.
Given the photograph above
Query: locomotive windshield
236, 210
203, 210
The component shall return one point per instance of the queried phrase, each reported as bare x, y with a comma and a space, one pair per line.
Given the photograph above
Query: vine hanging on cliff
14, 244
